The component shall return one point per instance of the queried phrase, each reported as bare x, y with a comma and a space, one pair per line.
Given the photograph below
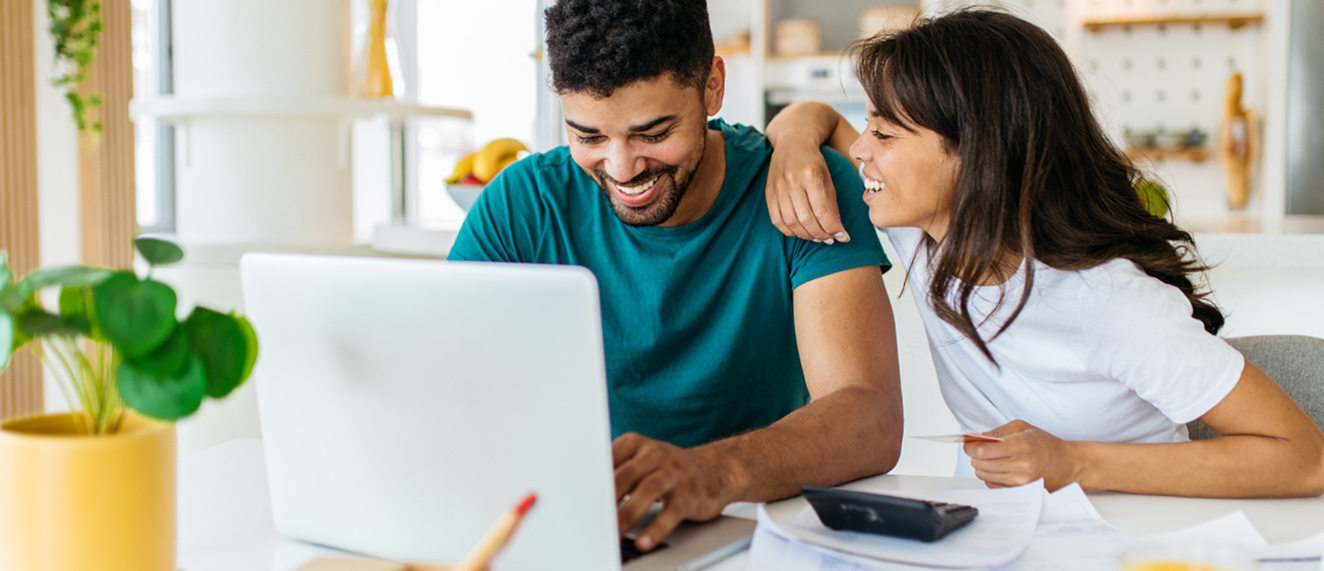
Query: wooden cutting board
1238, 144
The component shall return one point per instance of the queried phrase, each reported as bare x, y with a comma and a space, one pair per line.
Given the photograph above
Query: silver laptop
405, 404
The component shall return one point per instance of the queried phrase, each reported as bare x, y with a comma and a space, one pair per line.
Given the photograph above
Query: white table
225, 512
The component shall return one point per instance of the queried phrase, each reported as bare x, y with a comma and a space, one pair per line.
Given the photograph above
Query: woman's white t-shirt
1106, 354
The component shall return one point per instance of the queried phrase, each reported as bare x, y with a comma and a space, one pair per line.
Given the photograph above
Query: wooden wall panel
106, 178
20, 384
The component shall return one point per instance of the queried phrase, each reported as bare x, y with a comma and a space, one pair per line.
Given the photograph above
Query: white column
262, 179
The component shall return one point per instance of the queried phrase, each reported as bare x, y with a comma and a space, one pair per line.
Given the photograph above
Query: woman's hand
801, 198
1026, 454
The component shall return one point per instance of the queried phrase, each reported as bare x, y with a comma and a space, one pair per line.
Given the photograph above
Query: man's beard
661, 209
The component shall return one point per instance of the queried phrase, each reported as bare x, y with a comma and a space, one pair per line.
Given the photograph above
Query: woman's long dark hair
1038, 180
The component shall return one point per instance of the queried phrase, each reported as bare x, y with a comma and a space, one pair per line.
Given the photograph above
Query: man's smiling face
642, 145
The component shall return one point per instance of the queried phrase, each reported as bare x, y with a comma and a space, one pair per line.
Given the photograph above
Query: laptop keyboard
629, 552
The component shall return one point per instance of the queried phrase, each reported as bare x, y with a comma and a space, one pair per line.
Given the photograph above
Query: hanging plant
75, 25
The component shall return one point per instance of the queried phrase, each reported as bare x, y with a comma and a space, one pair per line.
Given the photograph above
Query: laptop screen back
405, 404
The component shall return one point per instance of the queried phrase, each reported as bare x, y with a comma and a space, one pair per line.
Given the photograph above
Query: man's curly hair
596, 46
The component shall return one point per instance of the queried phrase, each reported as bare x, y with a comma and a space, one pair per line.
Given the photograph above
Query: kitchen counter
1297, 241
1293, 242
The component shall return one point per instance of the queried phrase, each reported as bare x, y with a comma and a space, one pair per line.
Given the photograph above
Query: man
717, 328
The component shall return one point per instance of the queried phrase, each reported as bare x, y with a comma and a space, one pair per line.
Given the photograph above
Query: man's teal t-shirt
698, 321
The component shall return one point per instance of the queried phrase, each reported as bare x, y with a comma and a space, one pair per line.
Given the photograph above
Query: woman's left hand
1026, 454
801, 198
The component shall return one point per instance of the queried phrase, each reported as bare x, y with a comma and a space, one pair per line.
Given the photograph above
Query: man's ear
715, 87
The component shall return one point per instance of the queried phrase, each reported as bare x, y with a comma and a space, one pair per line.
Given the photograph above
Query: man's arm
492, 231
852, 429
801, 198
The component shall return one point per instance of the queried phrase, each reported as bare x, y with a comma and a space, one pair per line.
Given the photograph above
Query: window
154, 141
478, 56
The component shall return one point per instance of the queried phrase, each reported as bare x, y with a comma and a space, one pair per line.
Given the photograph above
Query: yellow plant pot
75, 503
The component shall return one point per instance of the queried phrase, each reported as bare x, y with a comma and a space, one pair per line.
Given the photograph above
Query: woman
1062, 316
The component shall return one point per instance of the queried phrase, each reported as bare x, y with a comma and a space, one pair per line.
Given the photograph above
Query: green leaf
72, 301
169, 359
218, 341
21, 338
167, 399
38, 323
1154, 196
12, 299
157, 252
6, 339
6, 273
135, 316
73, 308
64, 276
250, 345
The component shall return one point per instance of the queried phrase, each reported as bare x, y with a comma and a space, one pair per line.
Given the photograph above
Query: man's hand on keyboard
692, 484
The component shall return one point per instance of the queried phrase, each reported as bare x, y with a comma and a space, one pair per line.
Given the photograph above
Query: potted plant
95, 488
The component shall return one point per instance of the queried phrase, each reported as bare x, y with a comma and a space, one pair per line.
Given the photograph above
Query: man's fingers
662, 526
642, 498
630, 474
625, 447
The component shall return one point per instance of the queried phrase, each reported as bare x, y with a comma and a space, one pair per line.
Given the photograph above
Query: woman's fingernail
645, 542
844, 237
829, 241
817, 240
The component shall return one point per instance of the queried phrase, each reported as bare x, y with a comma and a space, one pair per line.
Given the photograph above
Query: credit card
962, 438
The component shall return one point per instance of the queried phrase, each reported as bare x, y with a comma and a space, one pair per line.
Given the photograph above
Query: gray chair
1295, 362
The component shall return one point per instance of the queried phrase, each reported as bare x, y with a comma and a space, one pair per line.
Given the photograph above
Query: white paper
1072, 535
1232, 530
772, 552
1236, 530
1308, 549
1001, 532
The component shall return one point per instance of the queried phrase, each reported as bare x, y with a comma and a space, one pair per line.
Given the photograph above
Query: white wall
57, 173
923, 406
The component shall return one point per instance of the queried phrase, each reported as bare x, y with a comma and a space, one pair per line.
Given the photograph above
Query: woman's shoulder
1119, 290
906, 240
1120, 276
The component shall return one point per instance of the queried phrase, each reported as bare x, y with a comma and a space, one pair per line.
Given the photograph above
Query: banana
495, 156
462, 168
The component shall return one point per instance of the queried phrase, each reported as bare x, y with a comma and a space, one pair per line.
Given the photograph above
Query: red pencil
496, 537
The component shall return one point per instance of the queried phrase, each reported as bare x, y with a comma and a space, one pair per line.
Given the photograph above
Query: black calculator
887, 515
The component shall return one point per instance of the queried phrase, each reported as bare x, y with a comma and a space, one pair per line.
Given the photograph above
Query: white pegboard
1173, 76
1148, 7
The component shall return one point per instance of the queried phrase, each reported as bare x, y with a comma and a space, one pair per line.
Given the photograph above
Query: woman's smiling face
909, 176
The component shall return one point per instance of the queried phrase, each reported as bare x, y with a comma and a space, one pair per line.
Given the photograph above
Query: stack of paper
1070, 534
1002, 531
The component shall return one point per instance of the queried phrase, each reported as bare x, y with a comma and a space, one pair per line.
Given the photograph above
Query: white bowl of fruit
478, 168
